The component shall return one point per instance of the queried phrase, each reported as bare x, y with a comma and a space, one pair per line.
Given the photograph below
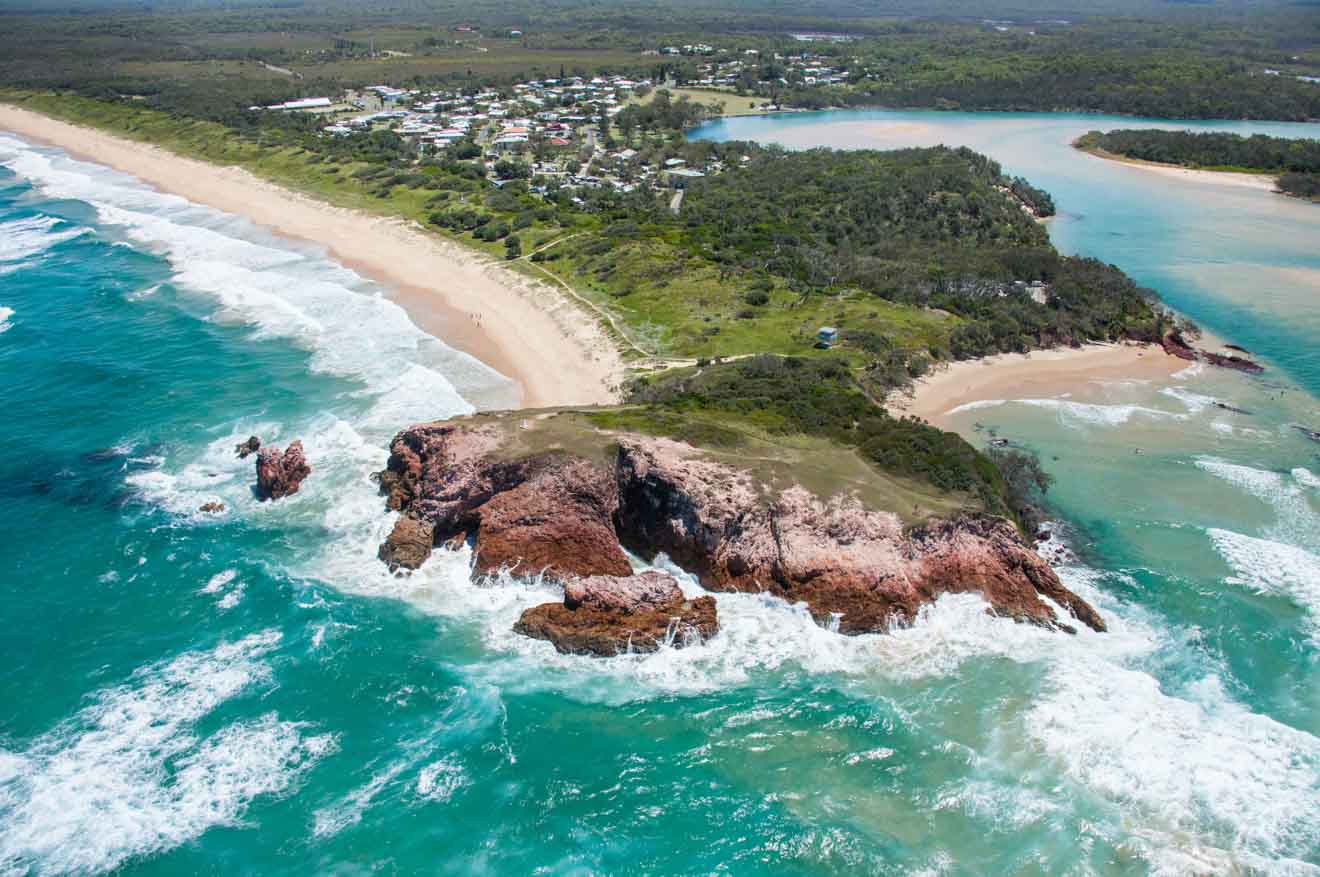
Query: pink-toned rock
548, 513
280, 473
854, 567
615, 615
559, 522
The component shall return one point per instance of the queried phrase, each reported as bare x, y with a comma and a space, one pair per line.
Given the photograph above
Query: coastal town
573, 131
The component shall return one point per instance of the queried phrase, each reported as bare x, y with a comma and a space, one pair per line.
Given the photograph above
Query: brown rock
212, 508
280, 473
549, 512
559, 522
408, 545
615, 615
250, 446
855, 568
1175, 345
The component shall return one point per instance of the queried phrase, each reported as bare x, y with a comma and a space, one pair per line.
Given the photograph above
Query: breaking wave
281, 290
21, 239
132, 774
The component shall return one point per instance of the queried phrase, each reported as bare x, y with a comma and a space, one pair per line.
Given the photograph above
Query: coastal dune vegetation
836, 277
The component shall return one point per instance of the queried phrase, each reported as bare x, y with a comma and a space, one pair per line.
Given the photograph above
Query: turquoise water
253, 693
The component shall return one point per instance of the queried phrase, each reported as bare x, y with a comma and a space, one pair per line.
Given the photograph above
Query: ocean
251, 692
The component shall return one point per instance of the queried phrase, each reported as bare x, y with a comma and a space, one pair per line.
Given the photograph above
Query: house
827, 336
682, 177
307, 103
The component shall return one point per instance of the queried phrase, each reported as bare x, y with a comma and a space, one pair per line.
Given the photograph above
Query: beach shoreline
1039, 374
526, 330
1261, 182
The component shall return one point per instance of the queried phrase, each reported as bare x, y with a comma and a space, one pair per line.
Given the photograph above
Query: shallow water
252, 692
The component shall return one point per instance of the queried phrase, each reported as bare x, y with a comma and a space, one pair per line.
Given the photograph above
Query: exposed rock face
857, 569
409, 543
559, 521
280, 473
852, 566
614, 615
252, 445
550, 513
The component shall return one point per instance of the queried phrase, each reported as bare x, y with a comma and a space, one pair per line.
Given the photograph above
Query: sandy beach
1261, 182
526, 330
1042, 373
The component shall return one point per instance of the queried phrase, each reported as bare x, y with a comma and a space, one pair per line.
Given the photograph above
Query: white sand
1261, 182
527, 330
1042, 373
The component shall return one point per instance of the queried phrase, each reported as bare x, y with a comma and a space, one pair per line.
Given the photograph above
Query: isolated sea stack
555, 496
280, 473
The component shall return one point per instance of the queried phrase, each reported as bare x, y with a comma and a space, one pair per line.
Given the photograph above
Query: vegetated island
1294, 162
791, 295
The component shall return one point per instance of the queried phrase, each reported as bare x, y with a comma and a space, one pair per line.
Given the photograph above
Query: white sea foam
1195, 403
129, 776
1290, 495
1091, 414
23, 238
282, 290
1306, 478
331, 820
1273, 568
218, 581
1184, 765
439, 780
5, 323
1103, 718
1072, 413
978, 405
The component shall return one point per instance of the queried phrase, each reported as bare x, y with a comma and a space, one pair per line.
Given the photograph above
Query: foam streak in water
129, 776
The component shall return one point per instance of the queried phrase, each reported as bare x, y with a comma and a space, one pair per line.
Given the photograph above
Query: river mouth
255, 686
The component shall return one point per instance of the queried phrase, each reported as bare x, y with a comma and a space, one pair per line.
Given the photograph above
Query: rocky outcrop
409, 543
251, 446
855, 568
1233, 361
212, 508
559, 522
549, 513
615, 615
1175, 345
280, 473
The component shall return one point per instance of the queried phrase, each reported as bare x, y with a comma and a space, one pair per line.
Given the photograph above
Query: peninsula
1292, 165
